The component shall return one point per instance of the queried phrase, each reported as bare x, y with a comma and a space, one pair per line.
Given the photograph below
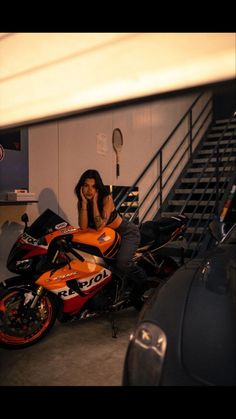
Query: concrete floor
80, 353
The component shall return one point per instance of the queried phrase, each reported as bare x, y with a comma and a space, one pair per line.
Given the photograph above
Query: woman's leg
130, 239
127, 269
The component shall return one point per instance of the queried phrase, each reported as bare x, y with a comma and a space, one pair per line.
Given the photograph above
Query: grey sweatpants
130, 239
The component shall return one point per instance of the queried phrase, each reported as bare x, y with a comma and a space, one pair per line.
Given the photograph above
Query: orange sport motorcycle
64, 273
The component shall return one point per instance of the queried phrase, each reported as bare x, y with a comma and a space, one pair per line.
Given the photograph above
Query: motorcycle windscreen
47, 222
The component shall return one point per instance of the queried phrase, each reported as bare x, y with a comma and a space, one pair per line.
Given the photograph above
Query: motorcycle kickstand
114, 326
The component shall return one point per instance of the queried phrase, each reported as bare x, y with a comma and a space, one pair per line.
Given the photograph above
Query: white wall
60, 151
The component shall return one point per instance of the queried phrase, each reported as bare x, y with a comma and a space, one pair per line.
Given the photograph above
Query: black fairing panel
160, 231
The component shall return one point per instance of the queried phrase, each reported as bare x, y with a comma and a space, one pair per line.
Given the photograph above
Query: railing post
217, 181
191, 133
161, 181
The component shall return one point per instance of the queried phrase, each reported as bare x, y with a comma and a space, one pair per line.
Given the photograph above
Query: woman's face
89, 188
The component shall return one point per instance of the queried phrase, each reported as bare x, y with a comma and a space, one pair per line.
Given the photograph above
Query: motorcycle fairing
89, 277
37, 240
49, 226
104, 242
27, 247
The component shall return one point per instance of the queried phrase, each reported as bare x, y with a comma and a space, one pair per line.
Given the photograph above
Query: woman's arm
83, 212
100, 220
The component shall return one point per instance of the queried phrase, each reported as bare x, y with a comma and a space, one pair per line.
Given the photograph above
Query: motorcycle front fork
29, 296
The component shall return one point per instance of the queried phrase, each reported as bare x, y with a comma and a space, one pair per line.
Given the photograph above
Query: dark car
186, 332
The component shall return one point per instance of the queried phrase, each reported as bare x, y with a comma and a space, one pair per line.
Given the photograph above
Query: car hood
196, 309
209, 323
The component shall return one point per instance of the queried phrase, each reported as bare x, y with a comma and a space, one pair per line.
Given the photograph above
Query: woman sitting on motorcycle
96, 209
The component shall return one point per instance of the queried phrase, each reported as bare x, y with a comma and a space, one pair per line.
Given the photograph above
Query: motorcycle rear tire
22, 329
167, 266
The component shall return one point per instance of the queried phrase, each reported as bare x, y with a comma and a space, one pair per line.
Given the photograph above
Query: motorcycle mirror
25, 218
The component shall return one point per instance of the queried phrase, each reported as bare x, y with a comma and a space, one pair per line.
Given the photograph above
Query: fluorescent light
50, 74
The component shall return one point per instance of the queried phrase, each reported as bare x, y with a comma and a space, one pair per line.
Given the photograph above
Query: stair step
182, 202
203, 179
170, 214
221, 142
192, 245
176, 213
224, 121
214, 160
218, 134
198, 216
127, 204
221, 150
197, 230
210, 169
196, 191
230, 126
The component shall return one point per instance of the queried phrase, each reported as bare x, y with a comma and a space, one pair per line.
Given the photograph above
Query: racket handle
117, 169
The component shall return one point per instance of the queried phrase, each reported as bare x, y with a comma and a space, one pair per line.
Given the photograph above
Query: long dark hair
102, 189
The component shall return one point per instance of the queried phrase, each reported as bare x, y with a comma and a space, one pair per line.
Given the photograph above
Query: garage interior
84, 353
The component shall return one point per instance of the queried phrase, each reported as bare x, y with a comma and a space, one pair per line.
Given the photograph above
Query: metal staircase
202, 190
206, 153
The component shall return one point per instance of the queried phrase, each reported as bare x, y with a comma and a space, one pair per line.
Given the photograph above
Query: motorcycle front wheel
21, 325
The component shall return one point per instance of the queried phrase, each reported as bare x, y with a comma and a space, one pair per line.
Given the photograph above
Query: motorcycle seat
166, 225
158, 231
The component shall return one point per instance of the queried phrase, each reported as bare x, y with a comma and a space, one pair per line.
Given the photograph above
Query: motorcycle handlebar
68, 247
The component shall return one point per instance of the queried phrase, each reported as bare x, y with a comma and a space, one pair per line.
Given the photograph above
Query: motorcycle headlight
145, 356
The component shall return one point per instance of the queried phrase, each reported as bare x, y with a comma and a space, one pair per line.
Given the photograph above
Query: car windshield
230, 237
